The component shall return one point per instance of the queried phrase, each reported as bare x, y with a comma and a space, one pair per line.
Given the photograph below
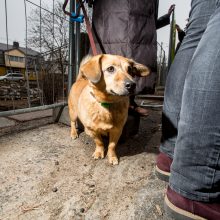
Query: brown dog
99, 98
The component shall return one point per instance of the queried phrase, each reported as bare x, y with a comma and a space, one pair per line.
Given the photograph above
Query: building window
1, 57
15, 58
21, 59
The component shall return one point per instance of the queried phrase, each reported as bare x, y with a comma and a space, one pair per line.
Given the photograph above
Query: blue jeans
191, 114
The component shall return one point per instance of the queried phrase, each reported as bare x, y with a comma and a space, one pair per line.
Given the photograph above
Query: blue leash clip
76, 16
79, 18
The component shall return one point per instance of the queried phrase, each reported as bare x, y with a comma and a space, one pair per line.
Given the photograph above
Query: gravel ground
46, 175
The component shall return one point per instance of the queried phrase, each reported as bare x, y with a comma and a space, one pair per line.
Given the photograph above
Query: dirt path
46, 175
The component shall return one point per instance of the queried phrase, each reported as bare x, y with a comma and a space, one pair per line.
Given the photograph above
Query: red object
89, 29
180, 207
163, 164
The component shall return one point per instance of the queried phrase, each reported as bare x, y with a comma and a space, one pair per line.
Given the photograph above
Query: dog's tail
84, 60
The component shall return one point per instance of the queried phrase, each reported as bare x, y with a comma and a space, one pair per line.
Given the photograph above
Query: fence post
159, 70
72, 67
172, 41
77, 45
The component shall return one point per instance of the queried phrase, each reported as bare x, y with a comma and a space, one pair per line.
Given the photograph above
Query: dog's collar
103, 104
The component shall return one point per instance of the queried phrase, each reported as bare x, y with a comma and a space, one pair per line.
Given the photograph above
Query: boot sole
162, 175
178, 213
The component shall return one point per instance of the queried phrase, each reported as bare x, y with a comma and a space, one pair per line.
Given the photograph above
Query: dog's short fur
99, 98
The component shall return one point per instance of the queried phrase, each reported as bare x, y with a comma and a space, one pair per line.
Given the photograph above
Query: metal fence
162, 65
35, 76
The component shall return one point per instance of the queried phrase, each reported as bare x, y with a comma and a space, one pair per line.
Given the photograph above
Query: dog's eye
131, 71
111, 69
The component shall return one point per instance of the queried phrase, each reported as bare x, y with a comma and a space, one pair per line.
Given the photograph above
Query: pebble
54, 189
82, 210
57, 162
90, 184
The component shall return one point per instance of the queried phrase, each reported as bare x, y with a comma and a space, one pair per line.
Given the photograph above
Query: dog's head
113, 74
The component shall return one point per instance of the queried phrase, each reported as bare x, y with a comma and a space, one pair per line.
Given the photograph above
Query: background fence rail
35, 76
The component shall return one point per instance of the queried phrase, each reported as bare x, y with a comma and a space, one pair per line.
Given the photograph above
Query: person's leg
133, 106
195, 171
196, 164
199, 16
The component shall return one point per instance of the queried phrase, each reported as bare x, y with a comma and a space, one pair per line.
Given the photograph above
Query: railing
40, 79
162, 67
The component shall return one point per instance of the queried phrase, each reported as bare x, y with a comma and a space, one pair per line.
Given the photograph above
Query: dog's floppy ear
140, 69
92, 69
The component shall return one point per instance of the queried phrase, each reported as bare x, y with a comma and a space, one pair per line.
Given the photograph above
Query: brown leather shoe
179, 207
163, 163
141, 111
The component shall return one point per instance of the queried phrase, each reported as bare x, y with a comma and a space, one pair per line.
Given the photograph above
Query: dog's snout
130, 86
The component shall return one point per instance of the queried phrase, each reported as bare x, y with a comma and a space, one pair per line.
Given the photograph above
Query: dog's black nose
130, 86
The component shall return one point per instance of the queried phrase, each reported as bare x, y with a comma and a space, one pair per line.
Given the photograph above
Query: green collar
105, 104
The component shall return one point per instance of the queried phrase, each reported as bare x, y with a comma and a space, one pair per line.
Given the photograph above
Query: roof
30, 52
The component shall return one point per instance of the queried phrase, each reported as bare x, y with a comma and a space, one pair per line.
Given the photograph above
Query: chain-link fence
162, 67
34, 76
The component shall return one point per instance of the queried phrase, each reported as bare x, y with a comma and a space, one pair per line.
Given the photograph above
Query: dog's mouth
125, 93
114, 93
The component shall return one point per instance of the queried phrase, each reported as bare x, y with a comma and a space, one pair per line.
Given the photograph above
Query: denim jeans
191, 114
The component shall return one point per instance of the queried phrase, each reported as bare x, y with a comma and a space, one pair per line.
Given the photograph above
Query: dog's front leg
73, 117
74, 133
99, 148
113, 140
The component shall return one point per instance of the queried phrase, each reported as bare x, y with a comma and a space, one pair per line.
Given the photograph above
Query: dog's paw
98, 154
113, 160
74, 136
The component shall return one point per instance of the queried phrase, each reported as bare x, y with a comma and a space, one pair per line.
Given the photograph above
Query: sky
16, 18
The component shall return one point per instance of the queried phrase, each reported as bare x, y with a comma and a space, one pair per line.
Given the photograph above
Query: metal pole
160, 63
26, 56
53, 80
72, 69
151, 105
32, 109
41, 58
77, 46
171, 40
164, 71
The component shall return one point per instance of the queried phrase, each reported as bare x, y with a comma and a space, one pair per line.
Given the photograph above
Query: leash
77, 17
89, 29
